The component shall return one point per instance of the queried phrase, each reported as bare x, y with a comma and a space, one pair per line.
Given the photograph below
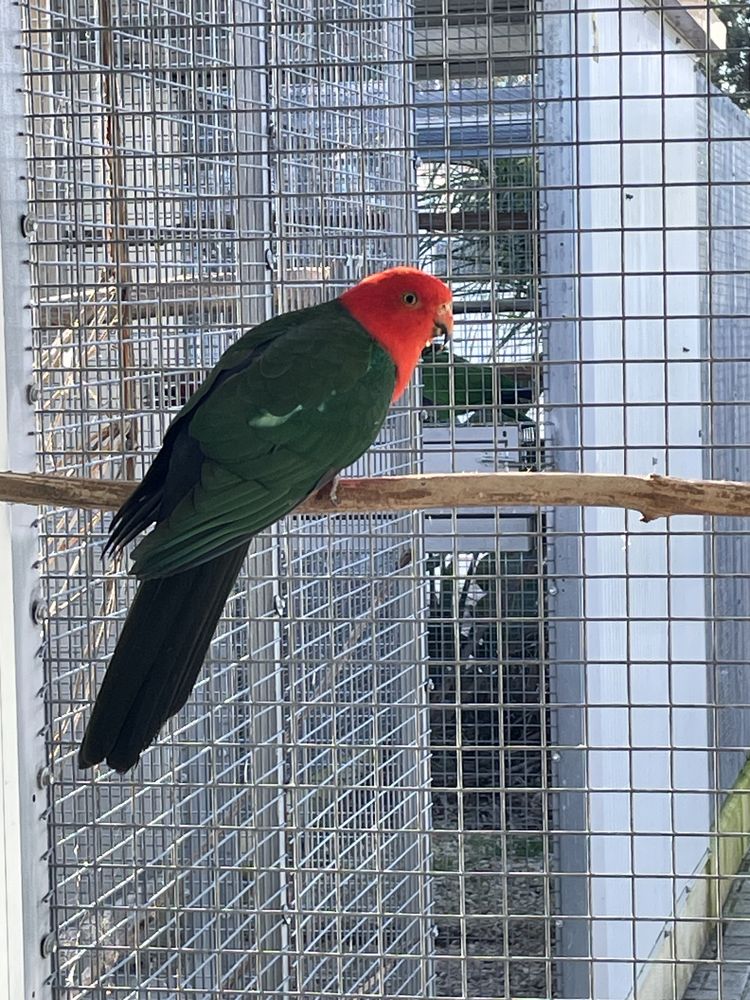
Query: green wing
286, 408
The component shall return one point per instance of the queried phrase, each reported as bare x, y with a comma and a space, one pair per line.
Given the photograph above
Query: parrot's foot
333, 493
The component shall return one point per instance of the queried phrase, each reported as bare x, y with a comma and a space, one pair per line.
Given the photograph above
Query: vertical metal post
24, 928
558, 223
255, 128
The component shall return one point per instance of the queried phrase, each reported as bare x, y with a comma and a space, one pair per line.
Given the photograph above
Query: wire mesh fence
470, 753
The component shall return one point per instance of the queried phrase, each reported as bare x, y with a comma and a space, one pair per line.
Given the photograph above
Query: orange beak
444, 323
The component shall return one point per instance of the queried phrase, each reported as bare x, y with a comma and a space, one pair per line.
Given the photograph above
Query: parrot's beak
443, 324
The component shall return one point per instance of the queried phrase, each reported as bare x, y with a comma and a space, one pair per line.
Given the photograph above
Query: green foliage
730, 70
478, 250
477, 225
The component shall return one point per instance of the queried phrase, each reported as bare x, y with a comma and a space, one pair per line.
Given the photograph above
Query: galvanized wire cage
467, 753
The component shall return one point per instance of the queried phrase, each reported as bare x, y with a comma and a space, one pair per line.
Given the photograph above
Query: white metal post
558, 223
25, 939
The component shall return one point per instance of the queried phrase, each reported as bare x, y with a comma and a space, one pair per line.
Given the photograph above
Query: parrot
473, 385
288, 406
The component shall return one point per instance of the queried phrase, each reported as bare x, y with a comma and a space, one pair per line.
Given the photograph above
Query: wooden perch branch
653, 496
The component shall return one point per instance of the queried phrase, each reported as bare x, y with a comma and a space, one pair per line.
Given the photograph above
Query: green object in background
473, 390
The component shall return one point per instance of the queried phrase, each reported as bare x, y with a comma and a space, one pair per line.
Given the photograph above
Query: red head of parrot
403, 309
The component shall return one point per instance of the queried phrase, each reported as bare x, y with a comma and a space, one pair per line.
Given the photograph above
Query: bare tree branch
653, 496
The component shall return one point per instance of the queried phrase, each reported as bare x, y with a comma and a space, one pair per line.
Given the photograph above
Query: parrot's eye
409, 299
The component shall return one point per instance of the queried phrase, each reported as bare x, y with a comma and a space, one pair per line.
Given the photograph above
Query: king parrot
287, 407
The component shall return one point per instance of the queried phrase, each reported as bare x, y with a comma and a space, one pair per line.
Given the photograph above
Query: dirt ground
489, 903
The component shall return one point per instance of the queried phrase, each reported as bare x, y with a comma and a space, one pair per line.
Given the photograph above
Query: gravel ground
485, 898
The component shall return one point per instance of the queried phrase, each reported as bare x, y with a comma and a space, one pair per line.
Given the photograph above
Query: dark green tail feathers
157, 660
